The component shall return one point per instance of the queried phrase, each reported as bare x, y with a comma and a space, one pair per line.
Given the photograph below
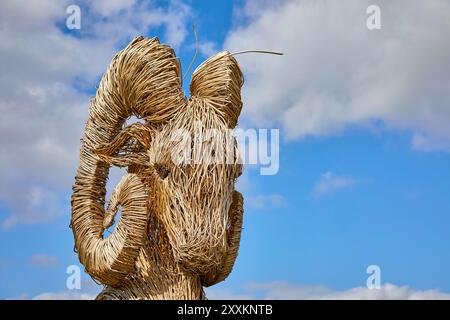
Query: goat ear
218, 82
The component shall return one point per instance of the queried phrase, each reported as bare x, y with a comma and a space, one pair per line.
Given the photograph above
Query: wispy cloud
328, 183
44, 260
261, 202
208, 48
423, 142
293, 291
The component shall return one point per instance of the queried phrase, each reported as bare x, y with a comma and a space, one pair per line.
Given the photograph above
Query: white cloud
44, 260
65, 295
265, 201
287, 291
290, 291
329, 182
108, 7
43, 108
336, 72
208, 48
89, 291
222, 294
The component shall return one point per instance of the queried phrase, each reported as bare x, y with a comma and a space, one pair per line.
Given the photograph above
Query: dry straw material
180, 223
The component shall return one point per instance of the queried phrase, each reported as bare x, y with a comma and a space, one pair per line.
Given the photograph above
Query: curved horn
142, 79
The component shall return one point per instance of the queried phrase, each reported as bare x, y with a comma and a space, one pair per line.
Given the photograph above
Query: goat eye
162, 171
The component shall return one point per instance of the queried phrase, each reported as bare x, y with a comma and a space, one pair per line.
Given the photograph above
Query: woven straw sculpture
180, 223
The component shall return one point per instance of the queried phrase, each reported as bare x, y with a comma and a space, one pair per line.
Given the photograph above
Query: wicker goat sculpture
180, 223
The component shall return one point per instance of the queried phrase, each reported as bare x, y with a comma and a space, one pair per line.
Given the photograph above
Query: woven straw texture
180, 223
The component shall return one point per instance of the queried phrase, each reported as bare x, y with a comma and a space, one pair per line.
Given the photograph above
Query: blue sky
364, 172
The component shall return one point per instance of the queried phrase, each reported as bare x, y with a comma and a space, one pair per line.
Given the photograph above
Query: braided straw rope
180, 223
